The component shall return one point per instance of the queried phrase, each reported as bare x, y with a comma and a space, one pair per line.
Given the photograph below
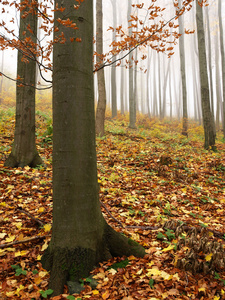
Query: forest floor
156, 186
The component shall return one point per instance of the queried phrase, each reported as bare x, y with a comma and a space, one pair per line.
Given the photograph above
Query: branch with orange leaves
179, 12
21, 83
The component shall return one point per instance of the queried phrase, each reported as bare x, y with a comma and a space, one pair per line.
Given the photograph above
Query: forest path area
156, 186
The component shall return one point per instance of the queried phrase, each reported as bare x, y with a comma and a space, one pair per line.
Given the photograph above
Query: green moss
133, 243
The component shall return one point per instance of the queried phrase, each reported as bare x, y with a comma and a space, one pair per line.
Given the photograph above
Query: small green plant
192, 214
161, 236
151, 283
141, 213
71, 297
217, 276
18, 270
46, 293
170, 234
131, 211
203, 225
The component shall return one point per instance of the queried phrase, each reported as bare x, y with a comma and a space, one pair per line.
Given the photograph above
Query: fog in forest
157, 79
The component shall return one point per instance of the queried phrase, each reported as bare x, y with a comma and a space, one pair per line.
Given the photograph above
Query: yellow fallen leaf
41, 209
170, 247
38, 280
47, 227
21, 287
166, 276
20, 237
10, 238
95, 292
201, 289
106, 295
139, 272
176, 276
208, 257
154, 272
44, 246
21, 253
43, 274
2, 252
2, 235
39, 257
9, 294
216, 298
10, 186
222, 292
19, 225
112, 271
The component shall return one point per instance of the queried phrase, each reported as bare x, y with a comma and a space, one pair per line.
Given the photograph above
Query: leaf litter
157, 187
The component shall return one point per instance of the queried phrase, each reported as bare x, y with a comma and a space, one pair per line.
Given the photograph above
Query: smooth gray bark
24, 151
222, 57
113, 68
159, 87
101, 105
219, 97
183, 73
1, 77
81, 238
210, 65
132, 104
205, 97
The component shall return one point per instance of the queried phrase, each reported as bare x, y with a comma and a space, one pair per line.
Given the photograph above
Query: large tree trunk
101, 106
80, 236
183, 73
24, 151
205, 98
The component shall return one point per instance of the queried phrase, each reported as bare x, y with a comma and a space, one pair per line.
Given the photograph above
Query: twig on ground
24, 241
102, 204
30, 216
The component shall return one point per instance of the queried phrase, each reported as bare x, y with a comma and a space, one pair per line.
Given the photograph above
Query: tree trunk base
72, 264
13, 162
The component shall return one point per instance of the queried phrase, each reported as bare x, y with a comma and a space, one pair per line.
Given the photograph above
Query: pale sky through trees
151, 62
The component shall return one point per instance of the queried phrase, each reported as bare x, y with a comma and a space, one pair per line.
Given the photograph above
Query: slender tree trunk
1, 79
101, 106
155, 99
164, 88
24, 151
132, 104
159, 87
80, 236
171, 99
148, 92
122, 78
205, 97
183, 74
218, 85
113, 68
222, 57
210, 66
122, 90
136, 94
